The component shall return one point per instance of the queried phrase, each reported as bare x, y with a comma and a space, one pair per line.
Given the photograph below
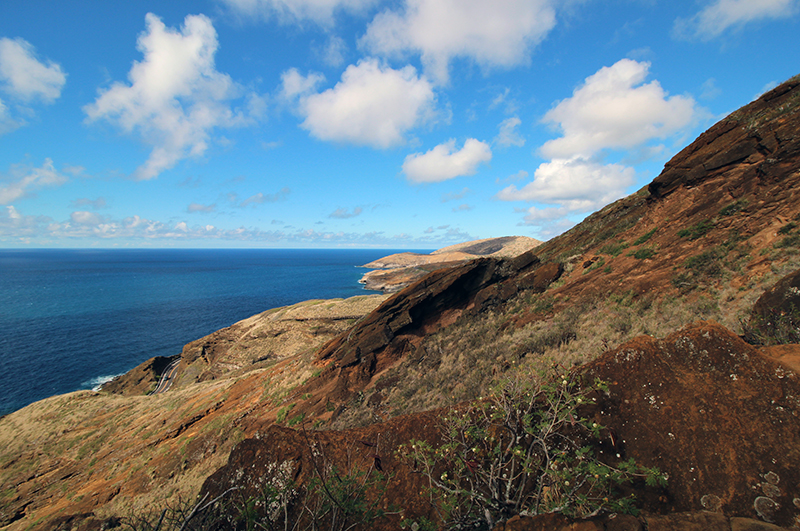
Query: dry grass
462, 361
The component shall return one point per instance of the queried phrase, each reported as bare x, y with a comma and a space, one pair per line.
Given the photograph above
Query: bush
697, 230
614, 249
778, 328
643, 254
644, 238
524, 449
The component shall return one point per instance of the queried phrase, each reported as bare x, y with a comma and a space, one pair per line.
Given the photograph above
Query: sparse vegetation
523, 449
282, 412
614, 249
697, 230
643, 254
733, 208
645, 237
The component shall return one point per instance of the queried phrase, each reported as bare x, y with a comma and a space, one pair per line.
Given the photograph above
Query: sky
398, 124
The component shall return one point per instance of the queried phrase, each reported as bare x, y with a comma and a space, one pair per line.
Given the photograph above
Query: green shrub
614, 249
697, 230
296, 419
282, 412
644, 238
792, 240
524, 449
643, 254
778, 328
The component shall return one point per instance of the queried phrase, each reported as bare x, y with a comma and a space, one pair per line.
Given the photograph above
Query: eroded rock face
762, 135
397, 327
718, 416
139, 380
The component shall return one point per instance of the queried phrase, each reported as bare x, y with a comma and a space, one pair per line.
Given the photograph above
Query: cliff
654, 294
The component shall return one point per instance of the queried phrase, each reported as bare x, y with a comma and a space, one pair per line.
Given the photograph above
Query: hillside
655, 295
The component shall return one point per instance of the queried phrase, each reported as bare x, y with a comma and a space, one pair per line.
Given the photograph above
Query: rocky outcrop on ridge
140, 380
394, 272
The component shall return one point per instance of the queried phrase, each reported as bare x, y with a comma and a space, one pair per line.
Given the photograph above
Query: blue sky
357, 123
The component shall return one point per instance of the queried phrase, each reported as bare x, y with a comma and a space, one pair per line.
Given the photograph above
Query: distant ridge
396, 271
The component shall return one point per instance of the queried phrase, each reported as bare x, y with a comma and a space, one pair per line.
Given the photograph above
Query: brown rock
746, 524
701, 521
708, 409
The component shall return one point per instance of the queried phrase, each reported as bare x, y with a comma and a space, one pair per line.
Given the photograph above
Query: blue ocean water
70, 319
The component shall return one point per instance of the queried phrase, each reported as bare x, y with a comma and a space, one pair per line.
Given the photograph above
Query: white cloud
334, 51
509, 136
261, 198
494, 34
442, 162
197, 207
176, 97
22, 179
613, 109
575, 184
83, 217
372, 105
720, 15
292, 11
7, 123
294, 84
344, 213
24, 77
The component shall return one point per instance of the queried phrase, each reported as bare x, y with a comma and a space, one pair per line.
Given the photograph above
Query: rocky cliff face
651, 294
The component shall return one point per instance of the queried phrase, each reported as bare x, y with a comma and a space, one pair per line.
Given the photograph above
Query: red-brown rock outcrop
721, 418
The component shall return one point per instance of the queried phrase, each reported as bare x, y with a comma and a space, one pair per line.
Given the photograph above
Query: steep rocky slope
619, 296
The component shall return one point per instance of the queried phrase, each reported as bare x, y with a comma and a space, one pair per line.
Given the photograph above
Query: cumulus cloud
442, 162
291, 11
344, 213
23, 76
613, 109
175, 97
23, 179
24, 79
294, 84
373, 105
509, 135
720, 15
493, 34
82, 217
576, 184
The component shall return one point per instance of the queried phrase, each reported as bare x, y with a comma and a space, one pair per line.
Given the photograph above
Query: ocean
72, 319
